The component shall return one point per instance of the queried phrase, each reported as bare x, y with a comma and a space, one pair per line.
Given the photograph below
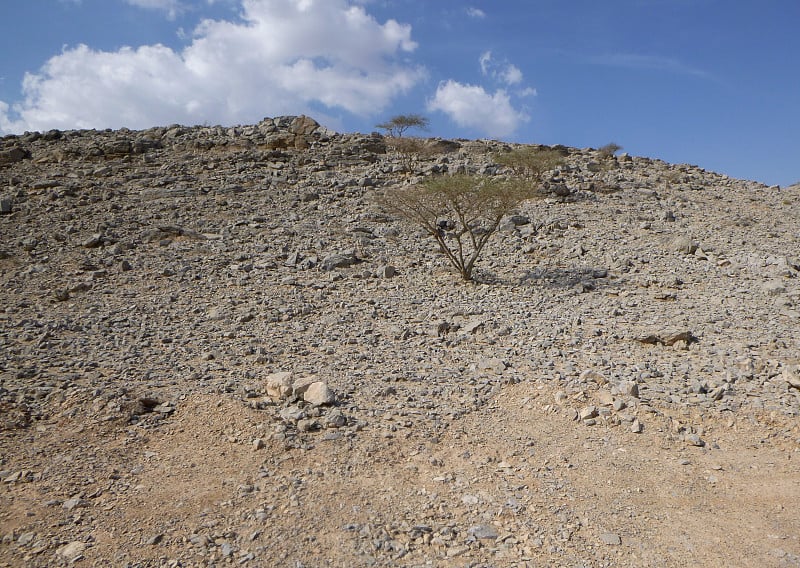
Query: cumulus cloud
280, 57
471, 106
504, 72
476, 13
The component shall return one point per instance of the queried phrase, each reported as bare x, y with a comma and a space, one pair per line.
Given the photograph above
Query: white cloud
476, 13
281, 57
504, 72
511, 75
472, 107
170, 7
485, 61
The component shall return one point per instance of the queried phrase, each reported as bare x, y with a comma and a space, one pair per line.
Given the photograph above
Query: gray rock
594, 376
26, 538
72, 551
319, 394
629, 388
339, 260
483, 532
308, 425
683, 244
73, 503
93, 241
611, 539
279, 385
292, 413
491, 365
791, 374
300, 386
694, 440
6, 205
335, 419
387, 271
13, 155
588, 412
226, 550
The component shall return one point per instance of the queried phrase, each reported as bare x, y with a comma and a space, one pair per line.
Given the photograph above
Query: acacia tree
397, 125
461, 212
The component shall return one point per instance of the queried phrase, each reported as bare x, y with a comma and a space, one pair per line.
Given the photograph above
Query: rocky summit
217, 348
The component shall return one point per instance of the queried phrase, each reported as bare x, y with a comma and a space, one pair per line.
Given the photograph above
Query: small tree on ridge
397, 125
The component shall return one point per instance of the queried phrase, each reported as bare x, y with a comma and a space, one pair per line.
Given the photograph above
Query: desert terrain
217, 348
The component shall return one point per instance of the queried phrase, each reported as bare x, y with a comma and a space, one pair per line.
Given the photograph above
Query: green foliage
461, 212
397, 125
530, 161
609, 150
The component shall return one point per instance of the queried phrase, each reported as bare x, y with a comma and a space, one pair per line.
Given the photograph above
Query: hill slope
620, 389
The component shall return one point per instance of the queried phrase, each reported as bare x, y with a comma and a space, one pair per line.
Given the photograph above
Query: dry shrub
411, 150
530, 161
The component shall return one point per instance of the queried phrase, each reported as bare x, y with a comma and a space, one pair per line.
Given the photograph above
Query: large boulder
13, 155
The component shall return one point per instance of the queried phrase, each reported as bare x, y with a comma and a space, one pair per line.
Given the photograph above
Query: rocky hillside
216, 348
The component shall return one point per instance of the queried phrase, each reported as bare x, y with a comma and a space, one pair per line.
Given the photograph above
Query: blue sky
709, 82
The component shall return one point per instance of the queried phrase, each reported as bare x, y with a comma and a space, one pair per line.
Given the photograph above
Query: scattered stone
594, 376
483, 532
387, 271
630, 388
292, 413
73, 503
94, 340
491, 365
604, 397
610, 539
93, 241
335, 419
683, 244
669, 340
588, 412
791, 374
694, 440
339, 260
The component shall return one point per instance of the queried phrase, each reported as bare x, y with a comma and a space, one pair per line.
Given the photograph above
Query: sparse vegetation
530, 162
461, 212
410, 149
609, 150
398, 125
